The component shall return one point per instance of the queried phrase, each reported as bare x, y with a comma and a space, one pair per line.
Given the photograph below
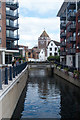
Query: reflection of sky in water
47, 97
42, 98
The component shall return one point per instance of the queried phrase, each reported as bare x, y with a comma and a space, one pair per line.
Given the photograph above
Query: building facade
42, 55
43, 41
8, 30
69, 14
33, 54
53, 48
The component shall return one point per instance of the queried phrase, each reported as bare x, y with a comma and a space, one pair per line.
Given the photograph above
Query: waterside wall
11, 93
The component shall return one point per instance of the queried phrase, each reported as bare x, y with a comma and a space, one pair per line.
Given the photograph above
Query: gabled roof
44, 34
55, 42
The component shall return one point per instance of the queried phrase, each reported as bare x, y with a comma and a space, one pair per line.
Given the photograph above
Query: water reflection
50, 97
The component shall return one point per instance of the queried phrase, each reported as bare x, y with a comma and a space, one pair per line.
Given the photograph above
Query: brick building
8, 30
69, 14
33, 54
43, 41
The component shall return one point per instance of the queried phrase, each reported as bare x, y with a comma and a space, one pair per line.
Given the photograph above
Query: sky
35, 16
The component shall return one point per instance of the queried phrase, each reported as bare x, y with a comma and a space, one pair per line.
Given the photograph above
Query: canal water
47, 96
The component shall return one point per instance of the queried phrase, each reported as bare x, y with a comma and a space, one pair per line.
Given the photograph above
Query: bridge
40, 65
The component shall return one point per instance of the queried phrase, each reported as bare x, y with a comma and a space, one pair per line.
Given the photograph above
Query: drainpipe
76, 6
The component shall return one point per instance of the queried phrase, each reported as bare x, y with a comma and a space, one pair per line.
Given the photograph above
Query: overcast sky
35, 15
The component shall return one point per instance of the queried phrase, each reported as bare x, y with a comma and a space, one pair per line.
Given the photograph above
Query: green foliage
76, 72
59, 51
59, 66
66, 69
54, 58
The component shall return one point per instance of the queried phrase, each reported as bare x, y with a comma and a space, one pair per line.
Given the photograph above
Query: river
47, 96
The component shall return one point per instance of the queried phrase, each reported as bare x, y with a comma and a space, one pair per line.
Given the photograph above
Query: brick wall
3, 24
77, 30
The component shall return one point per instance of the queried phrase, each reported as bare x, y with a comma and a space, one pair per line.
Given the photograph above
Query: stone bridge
40, 65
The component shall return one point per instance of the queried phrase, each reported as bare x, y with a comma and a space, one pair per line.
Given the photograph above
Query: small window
55, 54
0, 40
0, 16
0, 28
55, 49
51, 44
50, 49
50, 54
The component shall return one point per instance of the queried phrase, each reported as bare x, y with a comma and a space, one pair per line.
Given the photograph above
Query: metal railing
8, 73
71, 39
12, 25
12, 36
70, 69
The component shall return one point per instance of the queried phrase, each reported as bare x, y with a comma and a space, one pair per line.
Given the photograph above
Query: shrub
54, 58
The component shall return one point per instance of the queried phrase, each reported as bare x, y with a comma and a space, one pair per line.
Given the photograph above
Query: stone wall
67, 77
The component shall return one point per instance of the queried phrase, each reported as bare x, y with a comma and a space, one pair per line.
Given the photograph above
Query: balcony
11, 15
71, 27
12, 38
63, 35
79, 5
71, 5
71, 51
63, 44
63, 25
62, 53
12, 48
71, 39
12, 5
63, 17
71, 16
12, 26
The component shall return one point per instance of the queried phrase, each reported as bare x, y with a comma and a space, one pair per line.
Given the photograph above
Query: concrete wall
69, 60
11, 95
67, 77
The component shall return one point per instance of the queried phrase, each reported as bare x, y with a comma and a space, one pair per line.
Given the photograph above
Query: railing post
6, 76
0, 80
13, 71
16, 70
10, 73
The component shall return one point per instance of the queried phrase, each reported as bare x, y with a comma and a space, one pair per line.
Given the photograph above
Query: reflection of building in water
70, 99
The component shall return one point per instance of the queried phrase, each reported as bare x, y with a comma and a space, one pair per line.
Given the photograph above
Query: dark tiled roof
55, 42
44, 34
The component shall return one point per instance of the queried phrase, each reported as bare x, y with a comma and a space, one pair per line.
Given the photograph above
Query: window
55, 54
0, 28
55, 49
7, 22
0, 40
50, 49
0, 4
50, 54
51, 44
7, 33
0, 16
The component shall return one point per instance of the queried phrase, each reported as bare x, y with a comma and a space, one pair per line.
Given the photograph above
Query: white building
42, 55
52, 48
